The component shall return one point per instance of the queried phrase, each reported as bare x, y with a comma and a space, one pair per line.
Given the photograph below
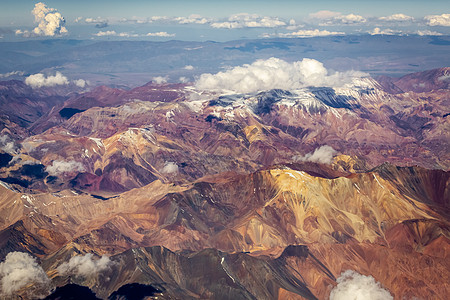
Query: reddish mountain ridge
420, 82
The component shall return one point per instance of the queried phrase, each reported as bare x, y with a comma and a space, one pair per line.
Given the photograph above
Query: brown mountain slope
259, 213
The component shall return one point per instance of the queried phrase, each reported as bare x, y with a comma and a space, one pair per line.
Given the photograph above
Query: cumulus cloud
169, 168
136, 20
106, 33
9, 74
161, 34
189, 67
274, 73
95, 20
126, 34
159, 18
85, 266
310, 33
387, 31
7, 144
59, 167
114, 33
323, 155
183, 79
327, 17
428, 32
80, 83
99, 22
438, 20
50, 22
25, 33
160, 79
40, 80
352, 285
245, 20
192, 19
293, 25
397, 18
324, 14
350, 19
19, 270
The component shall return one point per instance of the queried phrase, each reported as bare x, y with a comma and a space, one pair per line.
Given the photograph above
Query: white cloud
310, 33
428, 32
99, 22
114, 33
293, 25
9, 74
192, 19
245, 20
159, 18
95, 20
189, 67
161, 34
126, 34
351, 19
80, 83
227, 25
85, 266
59, 167
327, 17
39, 80
25, 33
323, 154
397, 18
7, 144
324, 14
50, 22
387, 31
169, 168
138, 20
106, 33
438, 20
274, 73
352, 285
160, 79
183, 79
20, 270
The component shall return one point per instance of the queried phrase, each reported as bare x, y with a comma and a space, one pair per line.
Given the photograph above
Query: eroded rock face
233, 195
259, 214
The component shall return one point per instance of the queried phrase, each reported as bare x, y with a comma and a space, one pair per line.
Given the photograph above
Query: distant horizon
134, 63
212, 20
442, 37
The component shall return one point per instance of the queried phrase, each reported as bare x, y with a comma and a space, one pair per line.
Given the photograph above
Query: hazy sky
220, 20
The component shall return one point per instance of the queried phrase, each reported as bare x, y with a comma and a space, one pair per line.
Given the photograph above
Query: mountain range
177, 193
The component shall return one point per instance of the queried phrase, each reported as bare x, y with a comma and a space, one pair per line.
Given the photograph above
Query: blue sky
222, 20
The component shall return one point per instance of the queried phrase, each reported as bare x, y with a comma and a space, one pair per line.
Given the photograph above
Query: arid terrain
194, 194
